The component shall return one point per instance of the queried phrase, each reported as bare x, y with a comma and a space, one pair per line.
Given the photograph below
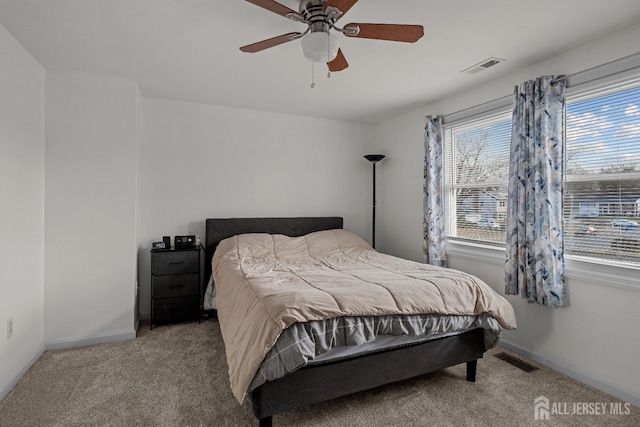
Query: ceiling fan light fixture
320, 46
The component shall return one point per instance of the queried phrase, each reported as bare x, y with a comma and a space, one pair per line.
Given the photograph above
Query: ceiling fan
319, 44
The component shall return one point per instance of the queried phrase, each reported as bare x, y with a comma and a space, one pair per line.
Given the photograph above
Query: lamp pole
374, 158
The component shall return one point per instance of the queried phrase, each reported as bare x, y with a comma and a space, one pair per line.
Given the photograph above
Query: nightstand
176, 285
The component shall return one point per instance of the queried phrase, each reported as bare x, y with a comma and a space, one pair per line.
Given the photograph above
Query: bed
331, 377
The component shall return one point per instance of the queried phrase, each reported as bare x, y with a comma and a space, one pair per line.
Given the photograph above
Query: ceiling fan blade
275, 7
342, 5
338, 64
265, 44
393, 32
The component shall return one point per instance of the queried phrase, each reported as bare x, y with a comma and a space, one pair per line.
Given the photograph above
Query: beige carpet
176, 376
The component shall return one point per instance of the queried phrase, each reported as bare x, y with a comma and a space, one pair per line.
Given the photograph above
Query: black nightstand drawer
175, 262
176, 285
169, 310
180, 285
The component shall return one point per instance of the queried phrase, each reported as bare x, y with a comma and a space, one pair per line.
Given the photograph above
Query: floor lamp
374, 158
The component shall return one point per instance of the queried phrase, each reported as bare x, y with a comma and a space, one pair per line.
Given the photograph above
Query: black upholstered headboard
218, 229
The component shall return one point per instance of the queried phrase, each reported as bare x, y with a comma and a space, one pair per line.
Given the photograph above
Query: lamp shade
320, 46
374, 158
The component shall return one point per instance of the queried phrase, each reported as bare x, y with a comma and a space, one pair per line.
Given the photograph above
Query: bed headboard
218, 229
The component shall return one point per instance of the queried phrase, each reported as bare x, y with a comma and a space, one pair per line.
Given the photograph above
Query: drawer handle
176, 286
173, 309
176, 262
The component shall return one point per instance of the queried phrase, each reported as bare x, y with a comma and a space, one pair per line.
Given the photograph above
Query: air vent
487, 63
520, 364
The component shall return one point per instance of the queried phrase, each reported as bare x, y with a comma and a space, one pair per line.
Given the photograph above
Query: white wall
90, 208
200, 161
597, 339
21, 208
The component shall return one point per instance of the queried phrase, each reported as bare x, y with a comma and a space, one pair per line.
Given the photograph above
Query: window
476, 171
602, 174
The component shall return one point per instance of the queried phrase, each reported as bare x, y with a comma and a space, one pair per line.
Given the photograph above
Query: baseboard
576, 375
6, 388
84, 341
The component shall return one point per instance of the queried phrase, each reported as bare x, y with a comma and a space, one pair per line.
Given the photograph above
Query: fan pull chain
313, 76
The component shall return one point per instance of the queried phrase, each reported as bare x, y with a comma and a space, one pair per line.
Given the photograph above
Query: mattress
332, 340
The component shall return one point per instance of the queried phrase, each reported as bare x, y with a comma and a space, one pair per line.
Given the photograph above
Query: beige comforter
265, 283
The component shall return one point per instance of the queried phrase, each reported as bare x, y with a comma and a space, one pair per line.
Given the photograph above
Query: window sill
609, 273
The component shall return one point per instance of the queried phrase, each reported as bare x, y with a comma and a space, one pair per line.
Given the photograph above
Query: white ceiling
188, 49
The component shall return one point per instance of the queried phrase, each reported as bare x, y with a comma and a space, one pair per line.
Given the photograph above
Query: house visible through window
602, 175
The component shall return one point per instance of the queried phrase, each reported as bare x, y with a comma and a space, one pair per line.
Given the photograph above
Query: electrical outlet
10, 327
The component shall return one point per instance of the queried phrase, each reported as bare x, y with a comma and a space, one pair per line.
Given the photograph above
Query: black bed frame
321, 382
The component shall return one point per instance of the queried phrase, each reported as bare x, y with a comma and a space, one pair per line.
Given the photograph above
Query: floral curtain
535, 241
433, 224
